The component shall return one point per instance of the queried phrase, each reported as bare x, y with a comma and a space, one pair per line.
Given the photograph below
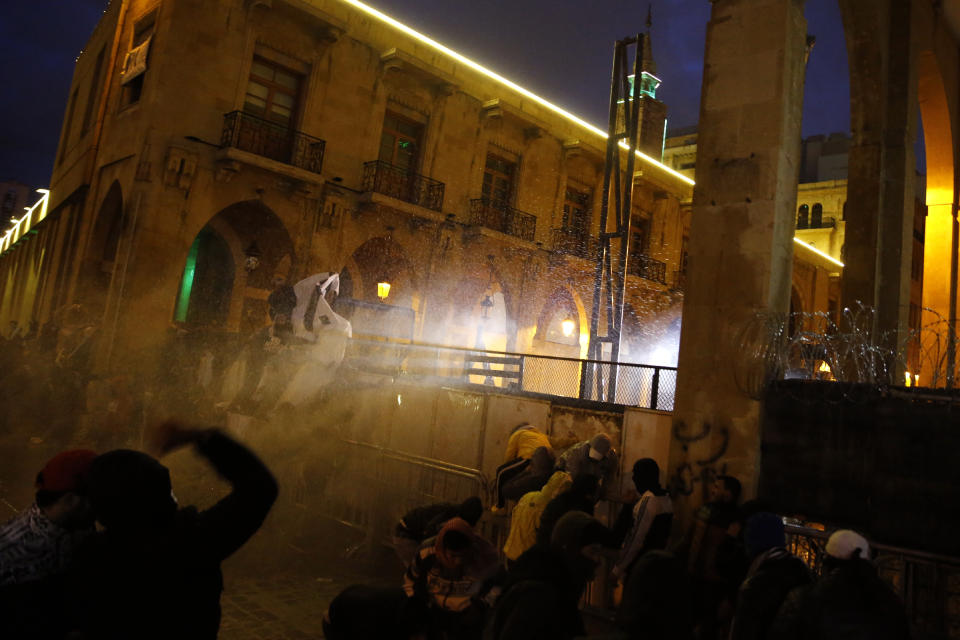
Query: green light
186, 285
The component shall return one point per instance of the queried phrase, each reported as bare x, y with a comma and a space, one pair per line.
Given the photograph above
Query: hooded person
524, 442
773, 573
595, 456
582, 496
849, 601
450, 574
652, 517
364, 612
154, 570
656, 599
526, 515
425, 522
38, 546
542, 590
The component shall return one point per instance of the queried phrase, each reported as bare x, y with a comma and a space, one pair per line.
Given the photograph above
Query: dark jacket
425, 522
363, 612
538, 602
580, 497
850, 602
656, 599
772, 576
166, 582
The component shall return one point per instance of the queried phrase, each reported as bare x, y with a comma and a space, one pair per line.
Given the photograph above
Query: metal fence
402, 184
499, 217
928, 584
646, 386
573, 243
271, 140
644, 266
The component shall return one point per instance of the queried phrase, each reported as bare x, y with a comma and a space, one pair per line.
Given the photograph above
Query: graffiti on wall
699, 473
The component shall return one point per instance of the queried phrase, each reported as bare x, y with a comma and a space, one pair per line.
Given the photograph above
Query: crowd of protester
151, 569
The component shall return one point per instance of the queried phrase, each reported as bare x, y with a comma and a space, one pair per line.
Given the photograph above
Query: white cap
843, 545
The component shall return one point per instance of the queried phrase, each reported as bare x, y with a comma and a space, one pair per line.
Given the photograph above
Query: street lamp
383, 290
567, 325
485, 305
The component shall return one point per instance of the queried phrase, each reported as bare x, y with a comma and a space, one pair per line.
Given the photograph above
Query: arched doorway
93, 282
381, 297
230, 267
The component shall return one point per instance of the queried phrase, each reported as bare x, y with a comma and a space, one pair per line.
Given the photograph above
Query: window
640, 238
803, 217
498, 177
94, 92
400, 142
576, 211
273, 92
816, 219
135, 64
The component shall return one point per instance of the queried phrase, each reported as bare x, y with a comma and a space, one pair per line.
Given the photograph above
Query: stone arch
96, 271
382, 259
221, 287
563, 304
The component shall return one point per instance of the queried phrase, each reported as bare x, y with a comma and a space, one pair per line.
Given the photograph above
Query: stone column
881, 173
741, 245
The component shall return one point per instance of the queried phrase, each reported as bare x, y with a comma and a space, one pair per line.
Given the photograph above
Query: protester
450, 574
154, 571
523, 442
849, 601
425, 522
37, 546
773, 573
362, 612
541, 592
526, 515
656, 599
715, 527
533, 477
591, 457
582, 496
652, 517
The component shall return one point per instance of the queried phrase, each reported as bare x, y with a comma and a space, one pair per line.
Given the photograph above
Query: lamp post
383, 290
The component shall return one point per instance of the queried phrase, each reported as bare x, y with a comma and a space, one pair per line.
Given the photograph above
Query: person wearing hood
533, 477
154, 570
542, 590
364, 612
582, 496
524, 441
849, 601
773, 573
652, 517
450, 574
656, 599
38, 545
425, 522
526, 515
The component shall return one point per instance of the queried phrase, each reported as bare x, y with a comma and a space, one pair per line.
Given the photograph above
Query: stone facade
180, 159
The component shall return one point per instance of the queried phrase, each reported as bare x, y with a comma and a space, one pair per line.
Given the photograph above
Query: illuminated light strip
494, 76
25, 223
817, 251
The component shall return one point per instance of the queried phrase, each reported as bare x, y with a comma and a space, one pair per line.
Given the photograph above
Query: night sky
560, 49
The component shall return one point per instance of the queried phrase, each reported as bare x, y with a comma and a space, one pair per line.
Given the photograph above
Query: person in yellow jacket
524, 440
526, 515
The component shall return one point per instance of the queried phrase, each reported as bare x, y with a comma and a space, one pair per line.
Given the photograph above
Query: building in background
205, 151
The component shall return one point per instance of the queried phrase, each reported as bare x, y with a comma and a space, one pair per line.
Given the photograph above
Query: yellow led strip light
818, 252
23, 225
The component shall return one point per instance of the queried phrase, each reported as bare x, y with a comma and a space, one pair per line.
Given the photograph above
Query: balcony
574, 243
383, 177
270, 140
499, 217
814, 223
646, 267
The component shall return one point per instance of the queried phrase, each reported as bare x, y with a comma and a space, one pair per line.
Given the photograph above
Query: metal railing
824, 223
499, 217
638, 385
644, 266
922, 580
271, 140
574, 243
402, 184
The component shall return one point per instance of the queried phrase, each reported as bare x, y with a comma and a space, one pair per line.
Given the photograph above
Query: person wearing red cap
37, 547
39, 542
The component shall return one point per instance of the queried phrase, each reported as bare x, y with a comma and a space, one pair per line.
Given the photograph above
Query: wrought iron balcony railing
499, 217
575, 243
824, 223
402, 184
271, 140
646, 267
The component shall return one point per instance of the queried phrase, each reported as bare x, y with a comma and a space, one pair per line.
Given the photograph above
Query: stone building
208, 148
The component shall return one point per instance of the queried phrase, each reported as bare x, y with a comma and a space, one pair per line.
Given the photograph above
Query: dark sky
561, 49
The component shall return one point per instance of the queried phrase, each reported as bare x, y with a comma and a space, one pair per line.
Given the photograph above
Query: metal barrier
371, 487
638, 385
922, 580
491, 214
403, 184
271, 140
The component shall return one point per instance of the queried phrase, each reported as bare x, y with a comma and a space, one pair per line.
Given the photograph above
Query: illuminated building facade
209, 147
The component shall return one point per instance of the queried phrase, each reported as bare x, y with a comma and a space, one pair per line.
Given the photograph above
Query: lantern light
253, 255
383, 290
567, 325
